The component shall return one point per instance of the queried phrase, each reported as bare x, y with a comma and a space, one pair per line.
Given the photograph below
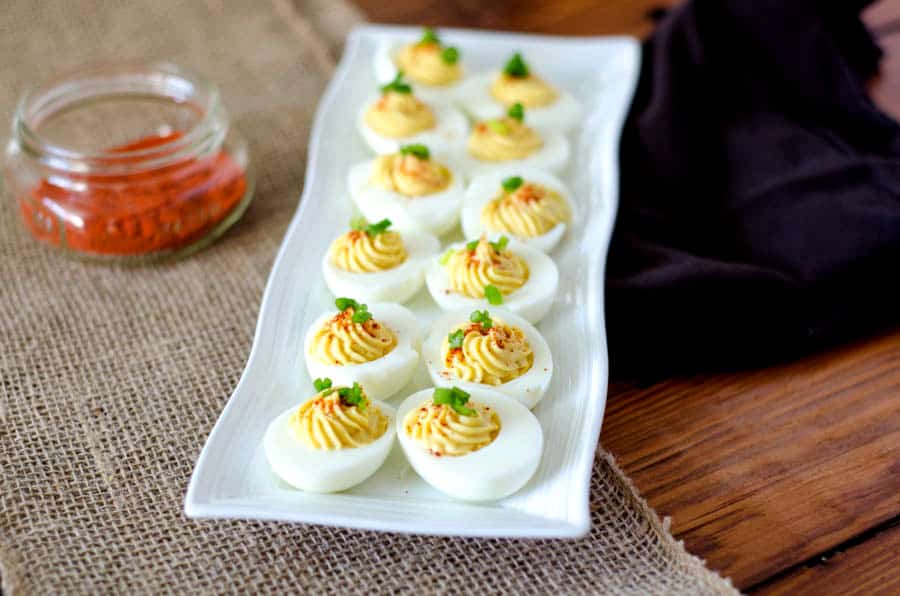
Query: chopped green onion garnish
353, 396
493, 295
454, 397
417, 149
450, 55
322, 384
512, 183
361, 312
456, 338
361, 224
516, 66
398, 85
500, 244
470, 246
429, 35
482, 317
516, 111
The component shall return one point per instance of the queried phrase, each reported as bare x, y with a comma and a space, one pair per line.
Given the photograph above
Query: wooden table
785, 479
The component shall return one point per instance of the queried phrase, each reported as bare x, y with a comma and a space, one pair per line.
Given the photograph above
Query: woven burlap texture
111, 378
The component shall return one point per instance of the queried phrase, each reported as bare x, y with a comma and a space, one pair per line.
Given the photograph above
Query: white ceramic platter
232, 478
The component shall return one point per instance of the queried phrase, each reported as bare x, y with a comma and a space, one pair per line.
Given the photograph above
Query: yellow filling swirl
342, 342
327, 422
422, 63
531, 91
470, 270
443, 431
397, 115
491, 356
358, 252
531, 210
504, 139
409, 175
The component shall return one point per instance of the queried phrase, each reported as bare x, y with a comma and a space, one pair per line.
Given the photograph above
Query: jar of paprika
132, 161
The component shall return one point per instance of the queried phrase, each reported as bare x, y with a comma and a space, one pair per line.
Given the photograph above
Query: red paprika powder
141, 212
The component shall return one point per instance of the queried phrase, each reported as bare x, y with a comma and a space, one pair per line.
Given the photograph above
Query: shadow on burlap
111, 378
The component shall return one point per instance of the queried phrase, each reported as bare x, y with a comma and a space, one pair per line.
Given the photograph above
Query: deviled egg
374, 263
484, 273
474, 445
397, 117
508, 141
534, 208
436, 68
331, 442
489, 348
379, 348
414, 190
487, 96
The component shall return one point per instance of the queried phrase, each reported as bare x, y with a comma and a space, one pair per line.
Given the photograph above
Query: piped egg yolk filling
327, 422
503, 139
491, 356
531, 210
443, 431
341, 342
422, 63
398, 115
409, 175
469, 271
531, 91
359, 252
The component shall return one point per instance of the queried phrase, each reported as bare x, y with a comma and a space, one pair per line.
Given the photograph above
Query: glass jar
130, 161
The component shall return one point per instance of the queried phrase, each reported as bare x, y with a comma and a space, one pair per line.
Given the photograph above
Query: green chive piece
516, 66
493, 295
377, 228
429, 35
398, 85
517, 111
500, 244
470, 246
454, 397
417, 149
343, 304
456, 338
512, 183
361, 314
353, 396
450, 55
482, 317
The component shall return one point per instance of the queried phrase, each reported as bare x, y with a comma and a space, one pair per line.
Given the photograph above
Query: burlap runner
111, 378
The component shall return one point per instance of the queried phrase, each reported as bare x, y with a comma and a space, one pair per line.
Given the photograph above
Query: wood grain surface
786, 479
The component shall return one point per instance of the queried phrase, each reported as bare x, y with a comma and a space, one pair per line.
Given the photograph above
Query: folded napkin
760, 191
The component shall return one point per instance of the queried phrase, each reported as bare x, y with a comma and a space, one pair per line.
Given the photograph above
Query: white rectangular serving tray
232, 478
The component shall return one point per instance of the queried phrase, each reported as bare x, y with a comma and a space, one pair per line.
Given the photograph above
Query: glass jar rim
40, 100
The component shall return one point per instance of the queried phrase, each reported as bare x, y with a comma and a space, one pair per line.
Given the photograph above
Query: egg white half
395, 285
494, 471
450, 130
436, 213
553, 156
561, 115
531, 301
485, 188
528, 389
320, 470
385, 67
385, 376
